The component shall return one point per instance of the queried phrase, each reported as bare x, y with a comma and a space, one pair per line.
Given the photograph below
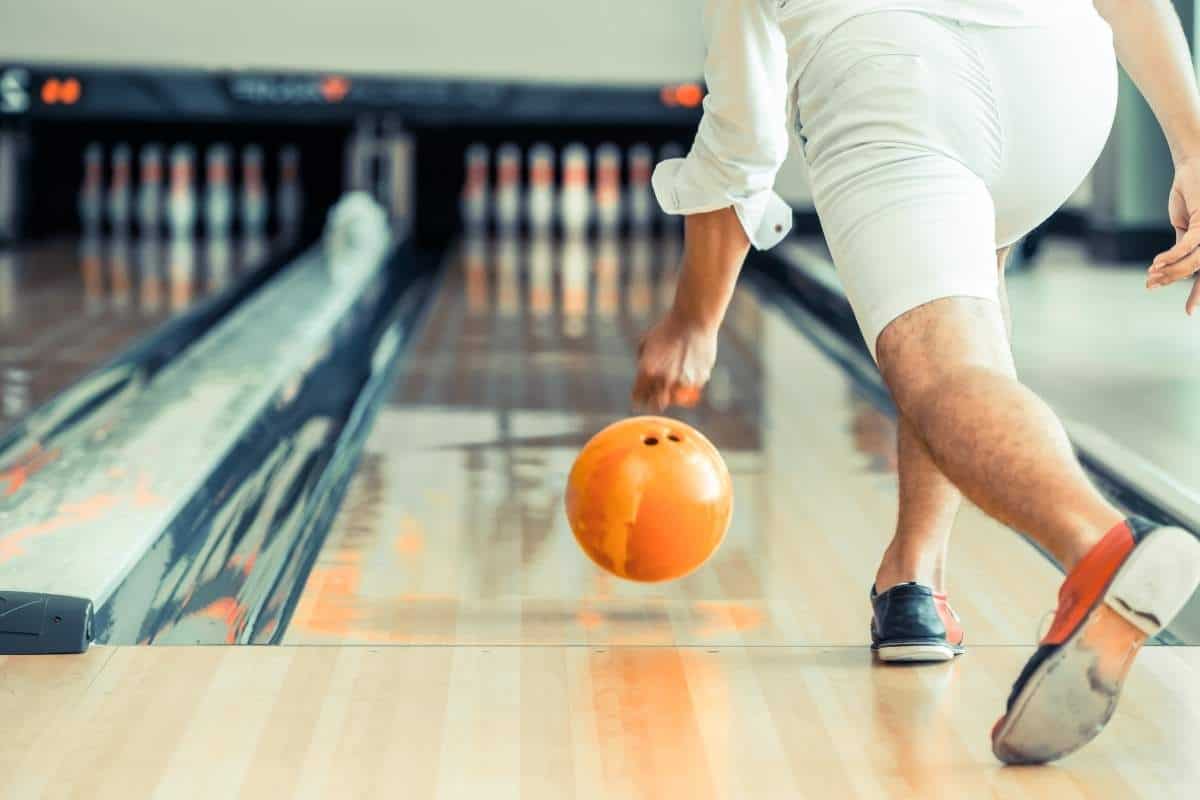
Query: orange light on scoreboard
334, 89
685, 95
61, 91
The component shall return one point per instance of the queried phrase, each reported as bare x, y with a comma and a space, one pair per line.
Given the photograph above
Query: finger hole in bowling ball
650, 440
674, 438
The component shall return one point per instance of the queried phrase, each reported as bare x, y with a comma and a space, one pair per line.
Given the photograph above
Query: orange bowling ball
649, 499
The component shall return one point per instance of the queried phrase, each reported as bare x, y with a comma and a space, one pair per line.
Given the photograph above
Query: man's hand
1183, 260
675, 360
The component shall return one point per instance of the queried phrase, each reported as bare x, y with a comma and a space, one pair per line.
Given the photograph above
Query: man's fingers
686, 396
1170, 273
1188, 242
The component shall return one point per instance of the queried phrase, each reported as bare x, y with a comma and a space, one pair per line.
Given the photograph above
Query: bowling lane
69, 305
453, 529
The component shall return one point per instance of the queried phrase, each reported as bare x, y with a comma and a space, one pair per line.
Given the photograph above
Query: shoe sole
1069, 699
916, 652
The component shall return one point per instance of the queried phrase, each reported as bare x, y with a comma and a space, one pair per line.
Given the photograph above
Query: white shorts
932, 143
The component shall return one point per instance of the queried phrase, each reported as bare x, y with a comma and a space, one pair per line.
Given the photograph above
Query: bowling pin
608, 187
508, 188
574, 206
181, 197
254, 191
575, 261
149, 268
9, 286
640, 195
360, 156
91, 197
540, 196
120, 187
218, 190
289, 197
149, 194
395, 179
120, 270
508, 275
252, 251
13, 150
473, 203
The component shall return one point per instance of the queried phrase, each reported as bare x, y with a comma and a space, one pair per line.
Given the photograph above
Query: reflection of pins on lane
218, 190
120, 271
16, 391
253, 251
641, 196
508, 187
91, 190
508, 276
91, 270
254, 190
290, 197
181, 199
149, 195
8, 284
574, 264
149, 262
540, 197
474, 200
608, 275
541, 275
641, 281
574, 202
475, 266
218, 259
608, 187
119, 187
181, 273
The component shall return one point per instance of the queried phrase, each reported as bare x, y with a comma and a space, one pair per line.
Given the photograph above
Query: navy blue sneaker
911, 622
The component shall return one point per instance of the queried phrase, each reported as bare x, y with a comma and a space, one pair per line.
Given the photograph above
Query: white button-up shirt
755, 51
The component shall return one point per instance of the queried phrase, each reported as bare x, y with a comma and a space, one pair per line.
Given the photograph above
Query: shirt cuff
764, 215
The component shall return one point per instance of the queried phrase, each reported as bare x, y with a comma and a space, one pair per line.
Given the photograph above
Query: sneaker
911, 622
1124, 591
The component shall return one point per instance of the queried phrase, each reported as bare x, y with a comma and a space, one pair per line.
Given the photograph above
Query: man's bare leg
949, 367
929, 502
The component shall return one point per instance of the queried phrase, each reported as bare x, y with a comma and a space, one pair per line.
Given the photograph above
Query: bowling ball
649, 499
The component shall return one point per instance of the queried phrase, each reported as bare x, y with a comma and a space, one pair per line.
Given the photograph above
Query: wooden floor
562, 722
453, 642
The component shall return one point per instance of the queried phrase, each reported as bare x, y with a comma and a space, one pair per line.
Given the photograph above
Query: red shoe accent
954, 629
1084, 587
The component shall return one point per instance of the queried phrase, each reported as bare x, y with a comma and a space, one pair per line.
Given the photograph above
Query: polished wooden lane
562, 722
454, 533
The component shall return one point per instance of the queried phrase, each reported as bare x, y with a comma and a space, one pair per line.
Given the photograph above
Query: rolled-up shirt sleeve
742, 139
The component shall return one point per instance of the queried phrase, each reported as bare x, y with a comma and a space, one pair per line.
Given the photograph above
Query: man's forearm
1153, 49
715, 245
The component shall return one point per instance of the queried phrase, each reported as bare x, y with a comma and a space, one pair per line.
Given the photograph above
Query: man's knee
932, 348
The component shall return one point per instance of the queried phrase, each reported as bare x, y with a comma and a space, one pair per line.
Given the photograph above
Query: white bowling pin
289, 198
508, 188
540, 194
608, 187
181, 273
541, 275
574, 204
640, 195
91, 190
575, 262
473, 203
254, 191
149, 193
508, 275
181, 197
608, 274
218, 190
119, 187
